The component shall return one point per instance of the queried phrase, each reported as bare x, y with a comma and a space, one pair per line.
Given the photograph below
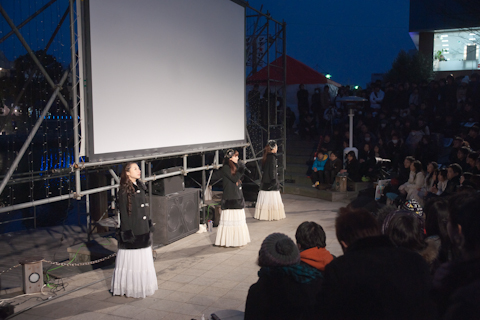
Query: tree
410, 67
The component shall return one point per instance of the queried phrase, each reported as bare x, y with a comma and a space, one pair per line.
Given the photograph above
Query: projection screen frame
144, 153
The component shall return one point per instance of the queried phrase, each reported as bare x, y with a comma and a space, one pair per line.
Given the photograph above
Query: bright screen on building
456, 50
166, 76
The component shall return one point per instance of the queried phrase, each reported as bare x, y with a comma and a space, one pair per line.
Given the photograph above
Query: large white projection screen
165, 75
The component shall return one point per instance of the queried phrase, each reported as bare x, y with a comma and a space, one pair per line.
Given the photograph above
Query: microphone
244, 165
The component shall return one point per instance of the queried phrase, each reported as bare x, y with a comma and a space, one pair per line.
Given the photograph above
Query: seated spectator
376, 98
307, 126
436, 220
462, 155
379, 152
285, 289
414, 183
366, 158
311, 241
396, 152
473, 138
359, 284
457, 144
457, 283
439, 183
413, 139
471, 162
454, 172
332, 168
426, 151
432, 168
318, 169
405, 230
352, 167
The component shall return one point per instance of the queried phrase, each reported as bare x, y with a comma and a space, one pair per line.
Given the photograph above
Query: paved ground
194, 276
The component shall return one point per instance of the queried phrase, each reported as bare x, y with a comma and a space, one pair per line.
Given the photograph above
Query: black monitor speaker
169, 185
175, 215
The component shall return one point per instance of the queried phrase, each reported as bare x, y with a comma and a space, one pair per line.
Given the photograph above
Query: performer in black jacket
269, 202
134, 275
232, 229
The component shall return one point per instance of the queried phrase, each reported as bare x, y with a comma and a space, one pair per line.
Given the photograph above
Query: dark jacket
451, 187
232, 197
353, 169
270, 173
456, 289
134, 228
334, 166
283, 293
376, 280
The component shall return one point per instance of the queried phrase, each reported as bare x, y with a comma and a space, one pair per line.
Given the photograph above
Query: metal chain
5, 271
66, 264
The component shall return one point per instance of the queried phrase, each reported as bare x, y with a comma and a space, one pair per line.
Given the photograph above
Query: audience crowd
415, 252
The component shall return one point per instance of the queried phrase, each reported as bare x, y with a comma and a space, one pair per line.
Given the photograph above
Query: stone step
300, 179
328, 195
297, 159
296, 169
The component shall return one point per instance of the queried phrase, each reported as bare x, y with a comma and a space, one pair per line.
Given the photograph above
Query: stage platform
194, 277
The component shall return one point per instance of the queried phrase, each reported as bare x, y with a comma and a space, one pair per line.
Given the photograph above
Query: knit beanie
278, 250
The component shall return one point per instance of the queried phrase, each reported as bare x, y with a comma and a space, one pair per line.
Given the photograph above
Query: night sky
348, 39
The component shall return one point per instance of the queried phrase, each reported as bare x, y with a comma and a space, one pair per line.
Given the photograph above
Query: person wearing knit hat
285, 288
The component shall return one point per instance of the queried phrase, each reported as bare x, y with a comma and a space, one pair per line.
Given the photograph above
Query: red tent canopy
297, 73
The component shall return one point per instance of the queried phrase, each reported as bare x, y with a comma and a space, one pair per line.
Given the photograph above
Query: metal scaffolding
71, 169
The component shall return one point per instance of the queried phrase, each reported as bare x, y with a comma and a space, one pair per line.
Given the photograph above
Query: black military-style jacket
232, 188
270, 174
134, 228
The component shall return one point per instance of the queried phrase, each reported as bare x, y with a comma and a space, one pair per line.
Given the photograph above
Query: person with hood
269, 204
318, 169
311, 241
285, 289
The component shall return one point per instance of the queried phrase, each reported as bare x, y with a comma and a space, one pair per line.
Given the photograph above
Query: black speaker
176, 215
169, 185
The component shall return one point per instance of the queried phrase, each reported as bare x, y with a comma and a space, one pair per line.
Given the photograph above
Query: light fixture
444, 36
472, 39
445, 45
444, 40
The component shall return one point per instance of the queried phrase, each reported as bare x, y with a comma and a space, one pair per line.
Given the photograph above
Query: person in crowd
316, 106
352, 167
473, 138
436, 221
307, 126
302, 99
432, 170
232, 228
286, 289
326, 99
456, 284
269, 204
376, 98
426, 151
311, 241
462, 155
290, 119
471, 162
462, 90
457, 144
358, 285
454, 172
379, 152
318, 169
326, 144
414, 183
134, 275
396, 152
406, 230
404, 172
332, 168
439, 183
413, 138
366, 159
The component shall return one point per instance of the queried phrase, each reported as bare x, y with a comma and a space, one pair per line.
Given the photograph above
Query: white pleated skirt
269, 206
134, 275
232, 229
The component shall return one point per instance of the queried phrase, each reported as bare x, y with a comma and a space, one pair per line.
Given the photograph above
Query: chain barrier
66, 264
5, 271
88, 263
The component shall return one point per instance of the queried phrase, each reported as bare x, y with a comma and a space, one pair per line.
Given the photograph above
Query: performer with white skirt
134, 275
269, 202
232, 228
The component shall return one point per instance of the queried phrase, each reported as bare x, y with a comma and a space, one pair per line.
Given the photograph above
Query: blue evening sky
348, 39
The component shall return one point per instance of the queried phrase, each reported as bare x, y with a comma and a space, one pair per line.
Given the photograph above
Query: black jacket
270, 174
452, 186
334, 166
376, 280
134, 228
232, 197
284, 293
